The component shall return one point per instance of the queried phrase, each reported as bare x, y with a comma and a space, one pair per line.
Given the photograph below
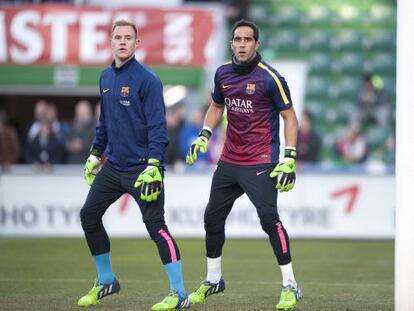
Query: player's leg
262, 192
153, 217
104, 191
224, 191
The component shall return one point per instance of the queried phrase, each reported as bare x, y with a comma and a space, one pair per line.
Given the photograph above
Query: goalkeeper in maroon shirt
254, 95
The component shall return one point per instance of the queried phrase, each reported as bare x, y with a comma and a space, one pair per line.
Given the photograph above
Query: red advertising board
75, 35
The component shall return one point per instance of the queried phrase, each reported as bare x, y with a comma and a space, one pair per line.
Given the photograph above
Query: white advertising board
320, 206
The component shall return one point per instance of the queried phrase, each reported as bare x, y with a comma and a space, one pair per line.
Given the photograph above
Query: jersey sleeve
278, 90
101, 137
216, 95
154, 109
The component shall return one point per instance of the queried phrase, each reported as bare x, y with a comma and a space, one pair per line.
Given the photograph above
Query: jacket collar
124, 66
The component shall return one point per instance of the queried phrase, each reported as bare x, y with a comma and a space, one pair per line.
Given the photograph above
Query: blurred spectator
388, 156
309, 142
373, 105
236, 10
352, 147
60, 128
9, 143
97, 112
45, 148
175, 122
45, 111
216, 143
390, 150
40, 1
81, 134
40, 115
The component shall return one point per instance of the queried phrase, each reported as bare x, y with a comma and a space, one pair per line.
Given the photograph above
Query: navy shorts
110, 184
230, 181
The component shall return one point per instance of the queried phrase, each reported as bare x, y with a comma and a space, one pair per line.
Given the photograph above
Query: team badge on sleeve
250, 88
125, 91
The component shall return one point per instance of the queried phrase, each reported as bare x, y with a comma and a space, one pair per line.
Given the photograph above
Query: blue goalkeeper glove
150, 181
285, 171
92, 167
198, 145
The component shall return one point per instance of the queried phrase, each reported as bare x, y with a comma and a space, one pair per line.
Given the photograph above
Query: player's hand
150, 181
92, 167
198, 145
285, 171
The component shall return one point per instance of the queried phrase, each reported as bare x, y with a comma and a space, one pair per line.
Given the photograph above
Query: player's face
123, 43
243, 44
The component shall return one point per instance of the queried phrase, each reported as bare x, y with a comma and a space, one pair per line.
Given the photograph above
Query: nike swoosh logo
105, 90
225, 86
260, 172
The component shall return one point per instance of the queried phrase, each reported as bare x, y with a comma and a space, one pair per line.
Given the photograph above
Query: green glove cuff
94, 151
290, 152
153, 162
205, 132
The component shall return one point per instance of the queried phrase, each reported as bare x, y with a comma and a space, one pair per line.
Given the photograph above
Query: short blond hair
123, 22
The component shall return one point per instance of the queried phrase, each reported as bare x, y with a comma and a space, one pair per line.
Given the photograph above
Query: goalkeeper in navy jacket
254, 95
132, 133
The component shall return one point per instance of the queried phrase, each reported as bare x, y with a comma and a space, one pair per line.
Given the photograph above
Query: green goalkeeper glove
285, 171
150, 181
92, 167
198, 145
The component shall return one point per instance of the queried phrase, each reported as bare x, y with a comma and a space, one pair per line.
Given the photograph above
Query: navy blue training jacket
132, 124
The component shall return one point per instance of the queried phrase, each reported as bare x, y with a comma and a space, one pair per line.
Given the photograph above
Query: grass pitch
51, 274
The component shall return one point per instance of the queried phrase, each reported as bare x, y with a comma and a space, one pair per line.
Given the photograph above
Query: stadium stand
342, 40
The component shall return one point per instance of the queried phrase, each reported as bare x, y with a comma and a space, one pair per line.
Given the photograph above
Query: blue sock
175, 275
104, 269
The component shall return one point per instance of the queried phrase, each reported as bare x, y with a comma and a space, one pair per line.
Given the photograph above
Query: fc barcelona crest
250, 88
125, 91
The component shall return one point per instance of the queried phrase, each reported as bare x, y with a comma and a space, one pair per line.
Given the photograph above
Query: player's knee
90, 221
268, 225
212, 224
213, 229
155, 227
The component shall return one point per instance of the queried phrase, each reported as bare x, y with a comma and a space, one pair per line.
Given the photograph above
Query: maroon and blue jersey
253, 102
